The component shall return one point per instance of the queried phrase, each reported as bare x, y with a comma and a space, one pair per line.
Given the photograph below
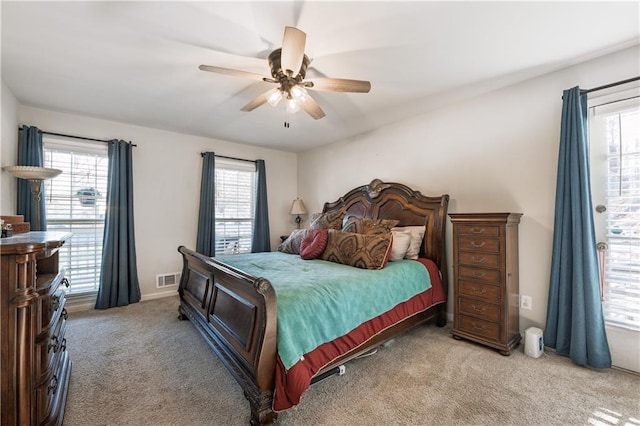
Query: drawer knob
53, 385
63, 345
480, 260
55, 302
478, 274
477, 231
65, 315
481, 309
53, 344
476, 245
476, 291
65, 282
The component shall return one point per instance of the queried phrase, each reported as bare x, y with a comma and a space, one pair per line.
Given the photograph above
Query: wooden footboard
236, 314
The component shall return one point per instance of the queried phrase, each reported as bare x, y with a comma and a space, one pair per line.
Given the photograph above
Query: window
235, 201
76, 202
616, 131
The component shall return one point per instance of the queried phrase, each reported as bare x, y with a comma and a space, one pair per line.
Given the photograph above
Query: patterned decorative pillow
313, 244
369, 226
359, 250
347, 217
331, 220
292, 244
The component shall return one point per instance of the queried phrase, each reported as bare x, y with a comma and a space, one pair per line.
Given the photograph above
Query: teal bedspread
319, 301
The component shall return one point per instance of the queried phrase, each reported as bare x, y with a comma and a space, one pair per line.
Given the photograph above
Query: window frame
234, 242
82, 267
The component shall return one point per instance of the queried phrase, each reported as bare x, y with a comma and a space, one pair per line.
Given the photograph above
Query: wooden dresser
485, 274
34, 361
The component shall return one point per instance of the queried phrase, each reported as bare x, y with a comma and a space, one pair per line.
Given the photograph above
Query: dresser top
32, 241
486, 217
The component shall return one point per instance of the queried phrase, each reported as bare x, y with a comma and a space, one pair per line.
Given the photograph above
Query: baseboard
87, 302
160, 294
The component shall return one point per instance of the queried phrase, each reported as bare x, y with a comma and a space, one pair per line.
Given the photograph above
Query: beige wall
8, 150
167, 172
496, 152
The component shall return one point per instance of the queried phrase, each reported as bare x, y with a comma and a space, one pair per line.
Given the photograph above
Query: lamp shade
297, 207
32, 172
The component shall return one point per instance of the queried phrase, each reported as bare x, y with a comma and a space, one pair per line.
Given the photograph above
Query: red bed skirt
291, 384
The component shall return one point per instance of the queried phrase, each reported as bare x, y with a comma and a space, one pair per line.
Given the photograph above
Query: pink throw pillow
314, 243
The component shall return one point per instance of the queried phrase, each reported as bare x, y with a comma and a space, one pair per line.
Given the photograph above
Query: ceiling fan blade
312, 108
338, 85
235, 73
292, 52
255, 103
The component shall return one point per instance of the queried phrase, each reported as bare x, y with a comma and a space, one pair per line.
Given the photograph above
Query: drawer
479, 259
51, 392
487, 329
44, 395
50, 308
480, 230
486, 245
485, 292
490, 276
48, 349
478, 309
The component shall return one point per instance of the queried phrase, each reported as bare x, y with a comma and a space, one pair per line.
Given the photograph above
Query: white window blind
235, 201
616, 127
75, 202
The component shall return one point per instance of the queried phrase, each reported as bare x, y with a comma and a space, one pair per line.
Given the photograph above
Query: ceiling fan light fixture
299, 94
292, 106
274, 96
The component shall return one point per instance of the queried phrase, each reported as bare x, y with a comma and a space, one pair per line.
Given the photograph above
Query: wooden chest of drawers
485, 274
34, 361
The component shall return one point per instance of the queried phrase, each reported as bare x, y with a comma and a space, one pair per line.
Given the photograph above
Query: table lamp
298, 208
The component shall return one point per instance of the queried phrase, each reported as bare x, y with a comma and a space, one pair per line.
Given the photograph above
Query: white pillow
417, 234
399, 245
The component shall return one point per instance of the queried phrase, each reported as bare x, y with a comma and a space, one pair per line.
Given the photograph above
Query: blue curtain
30, 153
119, 284
206, 242
261, 240
575, 323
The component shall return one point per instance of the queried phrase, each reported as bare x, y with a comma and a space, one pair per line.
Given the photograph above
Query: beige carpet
140, 365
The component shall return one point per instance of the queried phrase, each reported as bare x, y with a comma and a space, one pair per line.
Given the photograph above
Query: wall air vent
168, 280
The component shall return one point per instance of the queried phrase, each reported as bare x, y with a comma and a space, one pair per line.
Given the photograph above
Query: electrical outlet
526, 302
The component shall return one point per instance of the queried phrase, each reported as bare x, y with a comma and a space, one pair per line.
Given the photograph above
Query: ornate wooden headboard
390, 200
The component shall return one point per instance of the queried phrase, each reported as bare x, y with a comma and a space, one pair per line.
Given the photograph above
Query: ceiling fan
288, 70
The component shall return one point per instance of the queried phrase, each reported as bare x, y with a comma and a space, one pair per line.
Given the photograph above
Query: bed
235, 309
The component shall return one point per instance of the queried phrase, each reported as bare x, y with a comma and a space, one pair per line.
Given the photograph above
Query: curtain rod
229, 158
72, 136
606, 86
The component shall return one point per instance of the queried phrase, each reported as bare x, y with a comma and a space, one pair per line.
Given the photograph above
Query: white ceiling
137, 62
